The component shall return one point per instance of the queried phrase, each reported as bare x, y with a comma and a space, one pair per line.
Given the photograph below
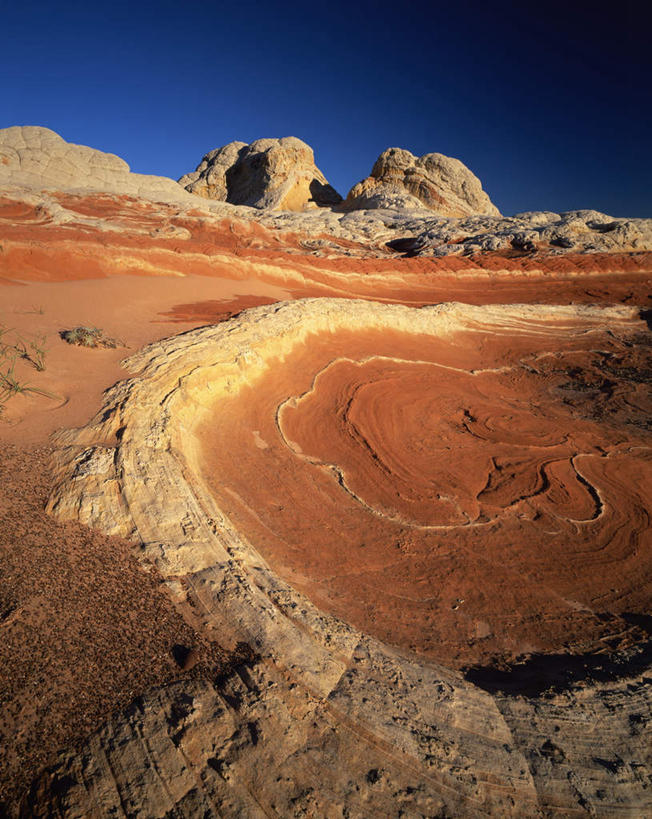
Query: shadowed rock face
434, 181
278, 174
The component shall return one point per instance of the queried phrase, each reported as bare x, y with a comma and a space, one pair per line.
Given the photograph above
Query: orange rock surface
470, 499
428, 548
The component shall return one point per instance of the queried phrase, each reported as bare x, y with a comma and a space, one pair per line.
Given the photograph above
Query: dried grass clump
88, 337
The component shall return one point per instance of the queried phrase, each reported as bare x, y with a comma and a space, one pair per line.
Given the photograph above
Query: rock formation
440, 183
36, 157
385, 727
275, 174
410, 522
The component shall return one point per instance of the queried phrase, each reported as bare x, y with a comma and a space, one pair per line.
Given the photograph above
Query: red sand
142, 241
84, 629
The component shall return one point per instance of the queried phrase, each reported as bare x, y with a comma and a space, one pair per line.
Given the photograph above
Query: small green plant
33, 351
14, 346
88, 337
9, 384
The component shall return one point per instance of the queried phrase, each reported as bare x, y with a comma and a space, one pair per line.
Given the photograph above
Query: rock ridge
385, 728
36, 157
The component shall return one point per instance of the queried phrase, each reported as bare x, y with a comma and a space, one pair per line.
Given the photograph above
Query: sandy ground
134, 310
84, 630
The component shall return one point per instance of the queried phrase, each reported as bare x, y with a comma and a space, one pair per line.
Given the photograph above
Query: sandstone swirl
373, 497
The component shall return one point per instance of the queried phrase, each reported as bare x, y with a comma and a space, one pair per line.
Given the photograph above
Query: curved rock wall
384, 729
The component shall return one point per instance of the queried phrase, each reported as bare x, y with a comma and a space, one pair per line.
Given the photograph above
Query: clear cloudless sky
549, 103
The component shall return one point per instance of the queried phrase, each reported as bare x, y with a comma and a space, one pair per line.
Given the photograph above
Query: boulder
272, 174
439, 183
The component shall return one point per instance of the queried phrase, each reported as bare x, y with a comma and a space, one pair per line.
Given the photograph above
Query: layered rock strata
55, 236
274, 174
386, 729
433, 181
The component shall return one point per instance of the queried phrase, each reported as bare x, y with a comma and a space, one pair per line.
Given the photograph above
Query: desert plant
33, 351
11, 349
88, 337
10, 385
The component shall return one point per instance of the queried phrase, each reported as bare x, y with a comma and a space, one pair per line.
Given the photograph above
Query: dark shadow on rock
409, 246
325, 196
555, 673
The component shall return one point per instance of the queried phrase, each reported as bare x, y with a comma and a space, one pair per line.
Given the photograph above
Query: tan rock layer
38, 157
62, 236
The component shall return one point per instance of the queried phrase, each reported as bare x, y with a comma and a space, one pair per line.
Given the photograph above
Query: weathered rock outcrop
275, 174
554, 234
401, 180
385, 729
35, 157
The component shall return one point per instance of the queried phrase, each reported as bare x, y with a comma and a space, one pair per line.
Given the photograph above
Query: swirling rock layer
449, 496
185, 458
424, 533
57, 236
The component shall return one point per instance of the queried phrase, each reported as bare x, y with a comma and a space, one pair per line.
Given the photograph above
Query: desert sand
352, 520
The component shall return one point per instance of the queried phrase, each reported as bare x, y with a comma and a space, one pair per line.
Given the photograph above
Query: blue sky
548, 103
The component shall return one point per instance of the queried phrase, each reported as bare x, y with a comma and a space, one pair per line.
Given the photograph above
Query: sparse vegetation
33, 350
13, 347
88, 337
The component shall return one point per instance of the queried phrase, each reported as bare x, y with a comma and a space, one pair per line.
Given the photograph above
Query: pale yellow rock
35, 157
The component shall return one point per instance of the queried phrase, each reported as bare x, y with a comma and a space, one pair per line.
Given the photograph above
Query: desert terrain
350, 513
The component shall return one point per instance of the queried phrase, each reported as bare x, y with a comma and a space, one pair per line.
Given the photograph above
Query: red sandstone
466, 499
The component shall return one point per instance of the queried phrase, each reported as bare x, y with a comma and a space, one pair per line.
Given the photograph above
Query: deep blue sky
550, 104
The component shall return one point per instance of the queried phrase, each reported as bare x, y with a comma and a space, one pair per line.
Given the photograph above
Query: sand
85, 630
